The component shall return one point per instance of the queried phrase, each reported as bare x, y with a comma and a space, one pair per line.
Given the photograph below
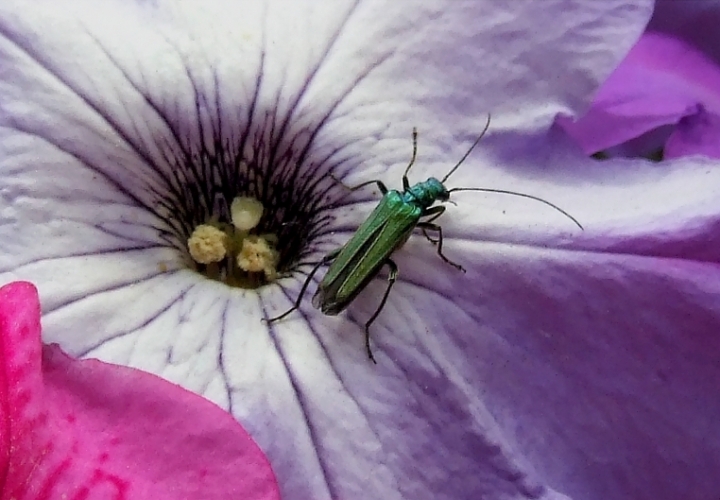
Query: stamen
207, 244
256, 255
230, 253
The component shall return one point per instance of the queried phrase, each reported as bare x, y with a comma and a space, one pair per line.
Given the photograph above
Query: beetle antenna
414, 155
522, 195
487, 125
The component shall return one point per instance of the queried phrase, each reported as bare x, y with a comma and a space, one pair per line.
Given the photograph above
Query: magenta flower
664, 96
87, 429
563, 364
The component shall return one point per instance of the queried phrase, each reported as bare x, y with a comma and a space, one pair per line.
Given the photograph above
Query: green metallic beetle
388, 227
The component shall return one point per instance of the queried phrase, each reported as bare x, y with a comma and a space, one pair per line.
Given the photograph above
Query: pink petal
90, 430
662, 80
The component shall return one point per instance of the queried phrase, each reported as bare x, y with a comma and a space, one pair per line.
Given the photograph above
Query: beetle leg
328, 258
435, 227
392, 277
434, 212
380, 184
427, 236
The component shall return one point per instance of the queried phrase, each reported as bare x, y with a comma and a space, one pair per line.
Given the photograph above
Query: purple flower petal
694, 22
662, 80
87, 429
695, 134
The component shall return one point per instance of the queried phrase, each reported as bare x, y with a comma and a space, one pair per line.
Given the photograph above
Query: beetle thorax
428, 192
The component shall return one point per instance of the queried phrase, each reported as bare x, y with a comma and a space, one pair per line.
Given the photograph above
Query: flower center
247, 214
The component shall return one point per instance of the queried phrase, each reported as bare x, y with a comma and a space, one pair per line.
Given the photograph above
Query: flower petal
662, 80
696, 134
93, 430
600, 372
694, 22
453, 63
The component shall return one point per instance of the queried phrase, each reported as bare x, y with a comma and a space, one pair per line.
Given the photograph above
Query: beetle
386, 229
